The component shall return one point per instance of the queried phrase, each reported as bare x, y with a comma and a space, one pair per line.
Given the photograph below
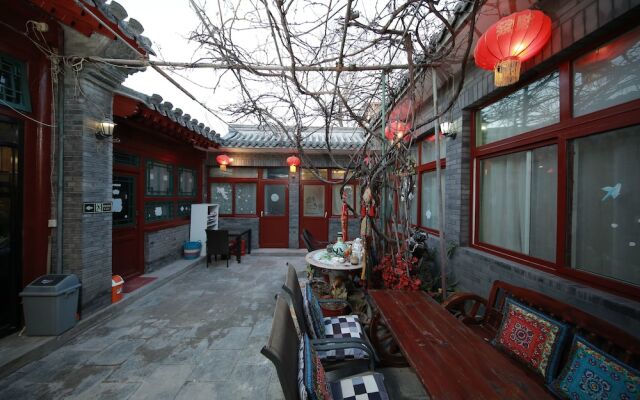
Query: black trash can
50, 304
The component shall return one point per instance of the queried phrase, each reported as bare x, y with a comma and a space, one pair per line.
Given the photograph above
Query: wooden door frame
260, 204
327, 206
136, 173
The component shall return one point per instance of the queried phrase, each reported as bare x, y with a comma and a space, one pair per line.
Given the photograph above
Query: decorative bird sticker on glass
612, 192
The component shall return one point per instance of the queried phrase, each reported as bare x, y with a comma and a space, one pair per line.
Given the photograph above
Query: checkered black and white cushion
345, 326
367, 387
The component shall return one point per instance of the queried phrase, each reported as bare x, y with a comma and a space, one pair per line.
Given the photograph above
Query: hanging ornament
344, 216
223, 160
293, 163
511, 41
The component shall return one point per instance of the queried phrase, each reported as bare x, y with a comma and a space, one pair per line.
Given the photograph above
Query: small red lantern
293, 163
223, 160
397, 129
511, 41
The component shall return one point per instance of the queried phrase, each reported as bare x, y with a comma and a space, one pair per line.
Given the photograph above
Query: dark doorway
10, 225
126, 260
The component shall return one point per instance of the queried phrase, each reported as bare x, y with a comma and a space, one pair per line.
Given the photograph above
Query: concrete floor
199, 336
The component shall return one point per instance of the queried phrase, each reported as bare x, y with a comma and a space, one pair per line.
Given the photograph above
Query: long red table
450, 360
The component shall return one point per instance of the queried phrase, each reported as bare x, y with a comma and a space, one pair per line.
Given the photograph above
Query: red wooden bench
448, 345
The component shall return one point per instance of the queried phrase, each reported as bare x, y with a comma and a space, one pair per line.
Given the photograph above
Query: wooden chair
330, 347
312, 243
217, 244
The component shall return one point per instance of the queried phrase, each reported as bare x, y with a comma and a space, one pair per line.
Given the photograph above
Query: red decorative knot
511, 41
293, 163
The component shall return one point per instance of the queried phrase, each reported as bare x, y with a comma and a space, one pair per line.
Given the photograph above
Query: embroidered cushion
302, 389
308, 318
591, 373
315, 314
531, 337
315, 378
367, 387
345, 326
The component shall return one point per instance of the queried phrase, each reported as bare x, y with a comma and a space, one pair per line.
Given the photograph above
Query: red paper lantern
397, 129
223, 160
511, 41
293, 163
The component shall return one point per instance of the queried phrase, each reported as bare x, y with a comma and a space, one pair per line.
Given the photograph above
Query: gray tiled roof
155, 102
117, 14
251, 136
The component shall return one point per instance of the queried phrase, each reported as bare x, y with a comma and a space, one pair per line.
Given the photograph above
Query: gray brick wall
241, 224
88, 98
294, 212
164, 246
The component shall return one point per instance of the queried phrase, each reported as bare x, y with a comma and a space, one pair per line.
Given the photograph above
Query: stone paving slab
198, 336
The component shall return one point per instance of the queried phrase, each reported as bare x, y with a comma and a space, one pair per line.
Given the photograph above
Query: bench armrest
465, 306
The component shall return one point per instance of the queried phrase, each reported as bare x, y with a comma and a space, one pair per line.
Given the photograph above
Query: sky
168, 24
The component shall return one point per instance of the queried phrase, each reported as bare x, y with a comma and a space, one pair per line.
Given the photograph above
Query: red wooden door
274, 214
126, 241
314, 209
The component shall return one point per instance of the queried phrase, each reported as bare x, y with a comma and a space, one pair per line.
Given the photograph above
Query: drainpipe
60, 189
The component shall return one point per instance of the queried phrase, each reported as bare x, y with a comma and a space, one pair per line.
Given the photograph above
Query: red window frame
233, 182
422, 169
559, 134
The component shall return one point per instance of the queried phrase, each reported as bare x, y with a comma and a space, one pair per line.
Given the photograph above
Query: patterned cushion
302, 389
346, 326
593, 374
315, 378
367, 387
315, 313
532, 337
309, 319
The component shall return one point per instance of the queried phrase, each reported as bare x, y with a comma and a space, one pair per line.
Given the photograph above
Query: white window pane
429, 148
411, 199
313, 201
275, 200
187, 182
534, 106
607, 76
605, 212
430, 212
245, 198
518, 202
220, 193
308, 174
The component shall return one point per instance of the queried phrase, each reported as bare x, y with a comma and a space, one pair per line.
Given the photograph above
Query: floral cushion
302, 389
315, 378
367, 387
345, 326
315, 314
591, 373
531, 337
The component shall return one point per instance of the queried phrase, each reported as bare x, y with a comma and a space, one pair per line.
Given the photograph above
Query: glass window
307, 174
157, 211
607, 76
186, 182
183, 209
605, 217
412, 204
245, 198
313, 201
276, 173
429, 148
275, 199
159, 179
337, 200
233, 172
220, 193
518, 202
123, 201
13, 83
430, 213
534, 106
413, 154
340, 174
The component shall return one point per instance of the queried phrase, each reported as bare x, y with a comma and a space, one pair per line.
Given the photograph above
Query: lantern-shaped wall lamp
223, 160
511, 41
293, 163
105, 128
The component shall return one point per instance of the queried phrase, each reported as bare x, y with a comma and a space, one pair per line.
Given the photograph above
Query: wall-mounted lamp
105, 129
448, 130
